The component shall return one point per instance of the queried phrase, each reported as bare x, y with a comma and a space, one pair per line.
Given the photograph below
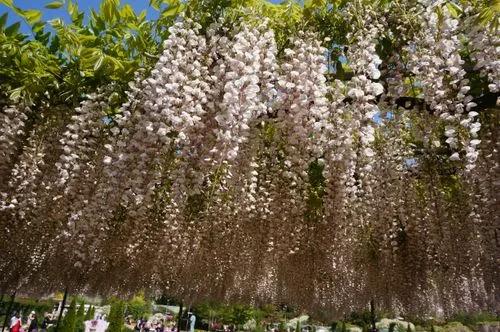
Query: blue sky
84, 5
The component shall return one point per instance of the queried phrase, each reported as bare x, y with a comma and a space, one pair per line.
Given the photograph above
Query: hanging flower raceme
435, 60
485, 54
12, 124
302, 109
84, 135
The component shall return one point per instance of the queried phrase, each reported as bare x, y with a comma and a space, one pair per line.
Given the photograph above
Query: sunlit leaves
109, 10
489, 14
454, 9
31, 16
55, 4
172, 10
119, 41
8, 3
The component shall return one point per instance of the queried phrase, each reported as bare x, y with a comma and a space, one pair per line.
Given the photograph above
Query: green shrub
240, 314
138, 306
333, 326
90, 314
116, 316
80, 317
69, 320
360, 318
473, 319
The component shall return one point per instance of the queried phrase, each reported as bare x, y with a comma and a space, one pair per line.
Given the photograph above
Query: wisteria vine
241, 172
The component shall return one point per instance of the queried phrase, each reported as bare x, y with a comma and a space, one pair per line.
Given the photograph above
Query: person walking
138, 325
15, 323
146, 326
30, 318
160, 327
192, 321
33, 326
45, 323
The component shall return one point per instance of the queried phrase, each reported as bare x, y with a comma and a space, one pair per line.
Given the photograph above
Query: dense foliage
69, 323
138, 307
116, 314
317, 155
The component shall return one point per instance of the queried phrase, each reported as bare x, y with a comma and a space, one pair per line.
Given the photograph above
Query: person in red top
15, 323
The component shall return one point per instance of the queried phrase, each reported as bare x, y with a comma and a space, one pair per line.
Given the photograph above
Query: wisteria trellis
240, 173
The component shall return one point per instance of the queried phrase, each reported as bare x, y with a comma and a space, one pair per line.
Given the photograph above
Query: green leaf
454, 9
171, 11
172, 2
12, 29
73, 12
37, 27
155, 4
15, 94
54, 4
3, 20
32, 16
56, 23
44, 38
109, 10
86, 38
8, 3
128, 12
116, 63
89, 53
98, 63
340, 72
142, 16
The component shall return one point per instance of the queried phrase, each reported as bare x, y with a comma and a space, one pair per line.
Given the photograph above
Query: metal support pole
187, 320
63, 304
179, 319
9, 309
372, 314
